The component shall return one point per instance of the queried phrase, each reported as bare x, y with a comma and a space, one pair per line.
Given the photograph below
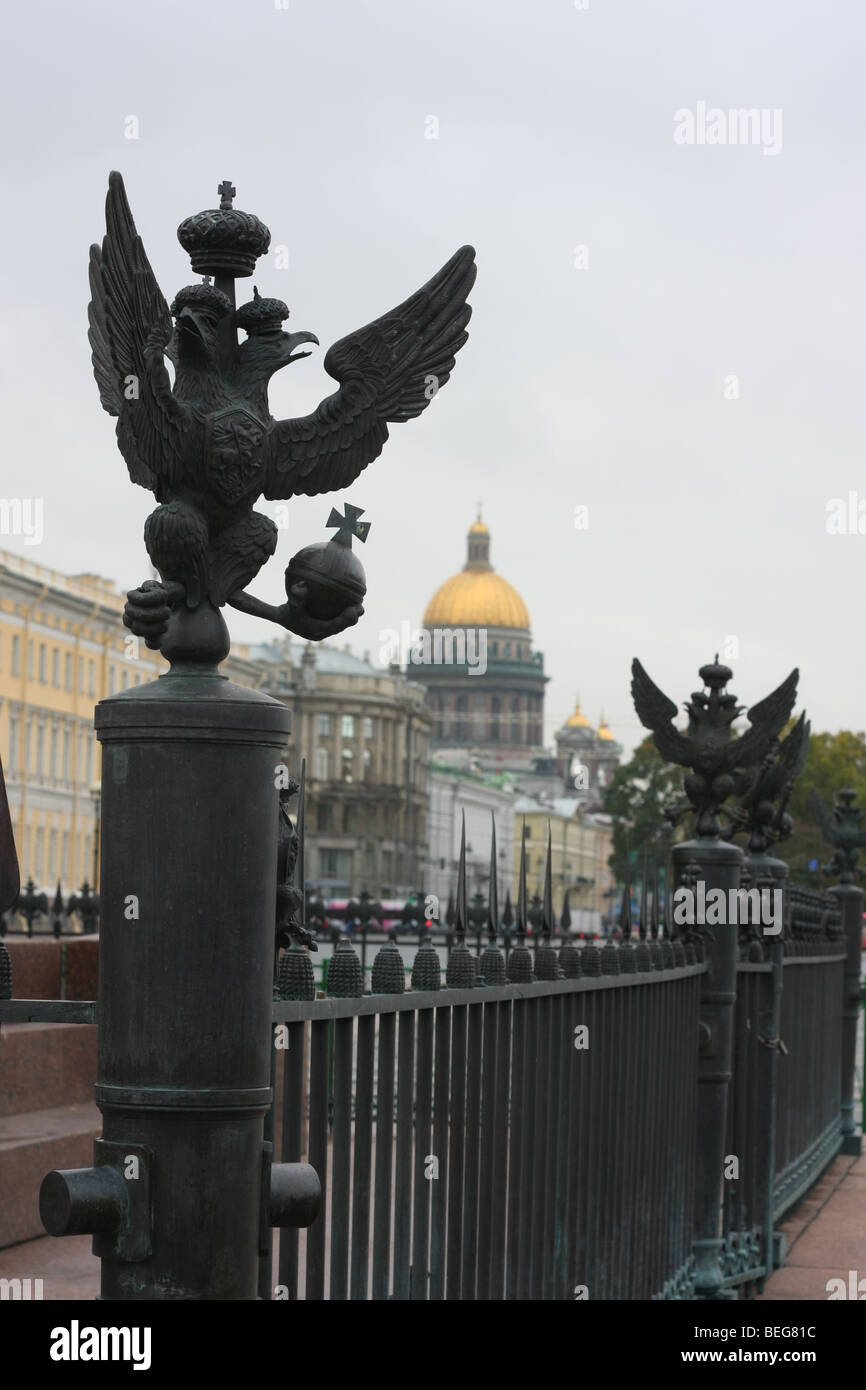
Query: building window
368, 765
16, 656
40, 750
30, 661
347, 764
347, 820
324, 725
13, 741
124, 679
67, 670
461, 730
494, 718
368, 728
335, 864
52, 855
323, 816
43, 663
112, 680
348, 726
64, 855
90, 673
321, 764
52, 756
66, 742
55, 668
37, 858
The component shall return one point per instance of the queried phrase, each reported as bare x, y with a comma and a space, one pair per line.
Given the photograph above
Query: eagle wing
130, 330
822, 816
794, 750
388, 372
767, 718
655, 711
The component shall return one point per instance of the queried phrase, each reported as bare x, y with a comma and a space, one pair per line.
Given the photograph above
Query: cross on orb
227, 191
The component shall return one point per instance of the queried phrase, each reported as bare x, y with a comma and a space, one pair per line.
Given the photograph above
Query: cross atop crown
227, 191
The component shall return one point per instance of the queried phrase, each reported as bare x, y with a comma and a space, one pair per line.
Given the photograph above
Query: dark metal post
720, 866
847, 834
850, 899
189, 871
712, 754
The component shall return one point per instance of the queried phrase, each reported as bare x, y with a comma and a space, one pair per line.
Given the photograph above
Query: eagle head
198, 311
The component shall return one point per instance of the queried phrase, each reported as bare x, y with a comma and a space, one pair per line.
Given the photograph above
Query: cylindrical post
720, 865
850, 899
189, 864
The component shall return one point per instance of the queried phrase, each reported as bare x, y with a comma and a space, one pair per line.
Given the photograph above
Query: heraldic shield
234, 453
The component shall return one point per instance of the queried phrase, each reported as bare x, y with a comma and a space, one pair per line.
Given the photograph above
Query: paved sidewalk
826, 1236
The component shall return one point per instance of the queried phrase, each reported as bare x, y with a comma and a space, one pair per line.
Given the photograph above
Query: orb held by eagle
333, 574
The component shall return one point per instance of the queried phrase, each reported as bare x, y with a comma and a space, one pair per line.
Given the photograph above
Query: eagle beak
291, 340
189, 324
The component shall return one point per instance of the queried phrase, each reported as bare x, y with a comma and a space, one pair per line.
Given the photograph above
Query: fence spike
565, 919
520, 969
492, 962
461, 970
546, 959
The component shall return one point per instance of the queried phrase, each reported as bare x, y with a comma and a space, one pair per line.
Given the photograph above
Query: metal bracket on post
110, 1201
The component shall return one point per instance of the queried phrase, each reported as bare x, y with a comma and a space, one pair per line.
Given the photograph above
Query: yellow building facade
63, 647
581, 842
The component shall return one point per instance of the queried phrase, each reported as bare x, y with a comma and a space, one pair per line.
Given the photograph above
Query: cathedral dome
577, 720
477, 596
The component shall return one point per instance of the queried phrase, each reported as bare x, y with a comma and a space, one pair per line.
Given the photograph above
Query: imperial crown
224, 240
261, 315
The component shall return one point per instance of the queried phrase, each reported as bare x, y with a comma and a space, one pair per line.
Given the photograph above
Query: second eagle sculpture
205, 442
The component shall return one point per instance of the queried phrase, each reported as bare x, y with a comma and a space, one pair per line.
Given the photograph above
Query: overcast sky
693, 377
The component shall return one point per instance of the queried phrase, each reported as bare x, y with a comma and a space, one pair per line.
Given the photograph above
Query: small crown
202, 296
261, 315
224, 240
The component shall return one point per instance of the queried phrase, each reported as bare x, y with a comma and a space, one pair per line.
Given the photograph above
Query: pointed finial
493, 902
460, 922
521, 886
547, 905
301, 882
348, 525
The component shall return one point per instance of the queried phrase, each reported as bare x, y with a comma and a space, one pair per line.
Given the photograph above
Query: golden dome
577, 720
477, 596
604, 732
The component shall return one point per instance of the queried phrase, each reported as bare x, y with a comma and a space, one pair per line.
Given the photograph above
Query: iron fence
530, 1140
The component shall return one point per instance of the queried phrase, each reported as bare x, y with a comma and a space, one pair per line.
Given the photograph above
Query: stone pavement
826, 1236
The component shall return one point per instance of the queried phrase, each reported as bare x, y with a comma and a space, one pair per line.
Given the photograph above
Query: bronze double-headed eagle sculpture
205, 443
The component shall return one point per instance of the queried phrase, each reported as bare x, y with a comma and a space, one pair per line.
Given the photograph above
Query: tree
834, 761
635, 799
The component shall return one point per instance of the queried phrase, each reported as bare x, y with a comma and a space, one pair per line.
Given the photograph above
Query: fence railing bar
384, 1156
361, 1177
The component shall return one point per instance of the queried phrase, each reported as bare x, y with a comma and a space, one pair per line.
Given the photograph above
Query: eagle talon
149, 608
